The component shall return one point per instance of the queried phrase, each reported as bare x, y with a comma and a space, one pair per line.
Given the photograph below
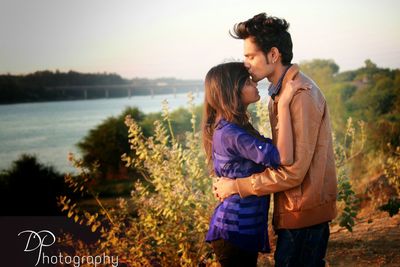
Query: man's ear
275, 54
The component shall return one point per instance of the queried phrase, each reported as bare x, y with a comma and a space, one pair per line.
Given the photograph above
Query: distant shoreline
48, 86
97, 98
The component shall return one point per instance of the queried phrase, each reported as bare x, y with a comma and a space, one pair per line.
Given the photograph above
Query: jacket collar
290, 75
273, 90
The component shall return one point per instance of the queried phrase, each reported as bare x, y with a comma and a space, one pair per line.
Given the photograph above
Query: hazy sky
183, 39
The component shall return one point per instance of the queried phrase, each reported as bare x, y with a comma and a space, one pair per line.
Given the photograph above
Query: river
50, 130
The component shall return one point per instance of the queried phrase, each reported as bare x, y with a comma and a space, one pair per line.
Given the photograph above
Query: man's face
255, 60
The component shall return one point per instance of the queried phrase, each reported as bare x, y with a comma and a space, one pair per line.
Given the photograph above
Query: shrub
351, 146
172, 206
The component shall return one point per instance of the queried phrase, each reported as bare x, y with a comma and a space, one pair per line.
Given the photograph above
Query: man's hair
268, 32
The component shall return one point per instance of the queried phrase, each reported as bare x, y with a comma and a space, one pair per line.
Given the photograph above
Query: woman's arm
284, 141
238, 141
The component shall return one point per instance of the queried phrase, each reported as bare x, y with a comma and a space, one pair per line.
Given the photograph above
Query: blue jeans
302, 247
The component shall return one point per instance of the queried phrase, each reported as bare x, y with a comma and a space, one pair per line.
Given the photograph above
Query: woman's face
249, 93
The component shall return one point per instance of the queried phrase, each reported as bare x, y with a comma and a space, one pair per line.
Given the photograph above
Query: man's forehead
250, 46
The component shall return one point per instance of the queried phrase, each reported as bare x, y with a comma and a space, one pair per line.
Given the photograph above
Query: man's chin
256, 79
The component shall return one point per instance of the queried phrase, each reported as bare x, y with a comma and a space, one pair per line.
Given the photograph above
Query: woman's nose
246, 64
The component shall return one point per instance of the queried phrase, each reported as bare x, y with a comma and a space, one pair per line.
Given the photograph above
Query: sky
185, 38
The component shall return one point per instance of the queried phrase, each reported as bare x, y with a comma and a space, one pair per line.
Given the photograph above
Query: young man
304, 192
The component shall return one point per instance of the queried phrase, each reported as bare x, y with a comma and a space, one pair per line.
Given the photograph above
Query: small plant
351, 147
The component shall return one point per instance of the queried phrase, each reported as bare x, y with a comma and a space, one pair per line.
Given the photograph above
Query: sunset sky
183, 39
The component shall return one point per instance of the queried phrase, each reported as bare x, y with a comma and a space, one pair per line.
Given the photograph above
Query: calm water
50, 130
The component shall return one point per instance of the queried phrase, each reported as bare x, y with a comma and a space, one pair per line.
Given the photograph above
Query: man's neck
276, 75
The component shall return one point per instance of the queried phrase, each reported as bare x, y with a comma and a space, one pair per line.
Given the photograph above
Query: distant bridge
120, 90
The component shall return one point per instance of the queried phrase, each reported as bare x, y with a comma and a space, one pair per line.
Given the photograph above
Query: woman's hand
224, 187
290, 89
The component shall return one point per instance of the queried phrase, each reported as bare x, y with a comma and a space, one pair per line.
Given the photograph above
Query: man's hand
224, 187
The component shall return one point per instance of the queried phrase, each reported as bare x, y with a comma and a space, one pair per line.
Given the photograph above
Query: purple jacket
237, 154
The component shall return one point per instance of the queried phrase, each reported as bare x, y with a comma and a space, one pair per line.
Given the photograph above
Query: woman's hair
223, 85
268, 32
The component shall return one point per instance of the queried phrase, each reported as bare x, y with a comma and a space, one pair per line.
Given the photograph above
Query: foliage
376, 101
322, 71
172, 206
351, 147
392, 173
370, 94
83, 183
392, 169
107, 141
261, 118
30, 188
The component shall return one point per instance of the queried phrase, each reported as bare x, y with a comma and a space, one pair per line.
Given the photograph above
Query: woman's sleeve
239, 142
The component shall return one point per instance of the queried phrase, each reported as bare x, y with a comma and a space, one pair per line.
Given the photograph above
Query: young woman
238, 228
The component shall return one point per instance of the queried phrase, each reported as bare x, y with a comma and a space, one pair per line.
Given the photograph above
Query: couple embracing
296, 166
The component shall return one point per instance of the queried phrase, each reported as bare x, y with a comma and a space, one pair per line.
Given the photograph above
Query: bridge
128, 90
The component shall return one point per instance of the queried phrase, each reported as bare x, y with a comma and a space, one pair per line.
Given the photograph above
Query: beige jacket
305, 192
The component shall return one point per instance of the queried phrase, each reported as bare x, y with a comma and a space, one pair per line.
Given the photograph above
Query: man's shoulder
313, 96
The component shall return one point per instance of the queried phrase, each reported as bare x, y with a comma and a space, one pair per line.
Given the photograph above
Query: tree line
39, 86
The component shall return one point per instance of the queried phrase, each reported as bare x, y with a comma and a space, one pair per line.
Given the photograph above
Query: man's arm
305, 131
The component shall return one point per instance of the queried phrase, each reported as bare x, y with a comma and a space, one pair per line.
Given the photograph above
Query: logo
38, 240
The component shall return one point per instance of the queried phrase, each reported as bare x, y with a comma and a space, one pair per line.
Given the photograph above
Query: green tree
30, 188
107, 142
322, 71
376, 102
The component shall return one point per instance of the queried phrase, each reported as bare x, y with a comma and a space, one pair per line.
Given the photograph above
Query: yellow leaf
94, 228
70, 213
